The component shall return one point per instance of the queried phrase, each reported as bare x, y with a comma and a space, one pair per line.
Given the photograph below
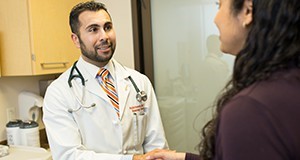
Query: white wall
10, 87
120, 11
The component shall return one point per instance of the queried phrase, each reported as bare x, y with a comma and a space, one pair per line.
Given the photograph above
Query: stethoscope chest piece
141, 96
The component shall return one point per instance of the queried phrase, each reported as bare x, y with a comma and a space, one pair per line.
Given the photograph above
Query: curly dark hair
272, 44
81, 7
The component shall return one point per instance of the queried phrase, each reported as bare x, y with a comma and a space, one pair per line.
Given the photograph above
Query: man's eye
108, 28
93, 29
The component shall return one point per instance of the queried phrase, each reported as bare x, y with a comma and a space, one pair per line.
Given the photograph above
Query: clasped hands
161, 154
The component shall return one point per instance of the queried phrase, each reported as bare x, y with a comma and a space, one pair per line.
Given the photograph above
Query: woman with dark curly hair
258, 113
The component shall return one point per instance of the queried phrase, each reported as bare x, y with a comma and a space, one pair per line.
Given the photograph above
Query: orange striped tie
109, 88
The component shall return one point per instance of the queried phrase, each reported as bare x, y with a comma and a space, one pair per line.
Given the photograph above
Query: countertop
27, 153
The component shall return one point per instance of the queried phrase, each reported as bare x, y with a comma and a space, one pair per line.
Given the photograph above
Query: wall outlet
11, 113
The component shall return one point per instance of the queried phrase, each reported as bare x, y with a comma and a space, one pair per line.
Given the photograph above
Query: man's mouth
104, 47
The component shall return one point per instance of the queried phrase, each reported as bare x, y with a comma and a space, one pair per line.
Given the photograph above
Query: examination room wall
10, 87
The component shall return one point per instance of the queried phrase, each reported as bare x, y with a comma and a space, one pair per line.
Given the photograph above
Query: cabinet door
14, 38
35, 37
52, 48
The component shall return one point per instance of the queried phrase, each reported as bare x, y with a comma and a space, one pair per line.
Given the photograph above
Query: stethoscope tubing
141, 96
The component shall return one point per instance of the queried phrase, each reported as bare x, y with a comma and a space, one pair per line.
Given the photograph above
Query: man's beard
93, 55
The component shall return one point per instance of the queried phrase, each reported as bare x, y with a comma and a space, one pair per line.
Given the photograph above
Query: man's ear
247, 13
75, 40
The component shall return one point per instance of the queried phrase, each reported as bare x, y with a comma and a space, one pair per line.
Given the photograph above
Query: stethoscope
141, 96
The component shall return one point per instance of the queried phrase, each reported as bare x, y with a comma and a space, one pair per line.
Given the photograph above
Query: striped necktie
109, 88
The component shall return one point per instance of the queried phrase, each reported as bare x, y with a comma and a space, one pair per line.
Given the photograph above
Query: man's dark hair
81, 7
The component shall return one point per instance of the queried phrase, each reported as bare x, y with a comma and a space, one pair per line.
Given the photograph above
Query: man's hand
165, 155
149, 154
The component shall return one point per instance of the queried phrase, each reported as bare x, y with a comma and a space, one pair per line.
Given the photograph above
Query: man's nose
103, 35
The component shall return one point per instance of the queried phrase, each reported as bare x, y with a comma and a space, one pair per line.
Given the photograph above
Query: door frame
142, 37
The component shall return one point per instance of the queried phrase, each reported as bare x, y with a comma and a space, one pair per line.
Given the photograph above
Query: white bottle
13, 132
30, 136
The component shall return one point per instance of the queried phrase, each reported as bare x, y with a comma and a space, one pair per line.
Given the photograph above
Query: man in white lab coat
81, 120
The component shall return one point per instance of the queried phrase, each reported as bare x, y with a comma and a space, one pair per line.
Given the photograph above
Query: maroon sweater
262, 122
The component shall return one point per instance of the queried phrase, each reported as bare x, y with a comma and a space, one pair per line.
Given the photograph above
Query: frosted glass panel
189, 69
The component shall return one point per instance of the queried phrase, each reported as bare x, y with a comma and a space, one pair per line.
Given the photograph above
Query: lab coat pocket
140, 123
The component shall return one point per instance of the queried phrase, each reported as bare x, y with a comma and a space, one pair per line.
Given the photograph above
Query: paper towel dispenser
29, 105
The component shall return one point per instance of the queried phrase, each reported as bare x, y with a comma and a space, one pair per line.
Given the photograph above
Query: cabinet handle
52, 65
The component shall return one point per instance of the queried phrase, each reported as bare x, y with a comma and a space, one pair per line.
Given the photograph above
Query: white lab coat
97, 133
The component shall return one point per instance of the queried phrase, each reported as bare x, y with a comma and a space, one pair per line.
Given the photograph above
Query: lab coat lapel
123, 93
93, 86
91, 83
123, 86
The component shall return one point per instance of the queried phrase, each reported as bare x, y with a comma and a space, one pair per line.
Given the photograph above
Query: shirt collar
93, 70
111, 68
